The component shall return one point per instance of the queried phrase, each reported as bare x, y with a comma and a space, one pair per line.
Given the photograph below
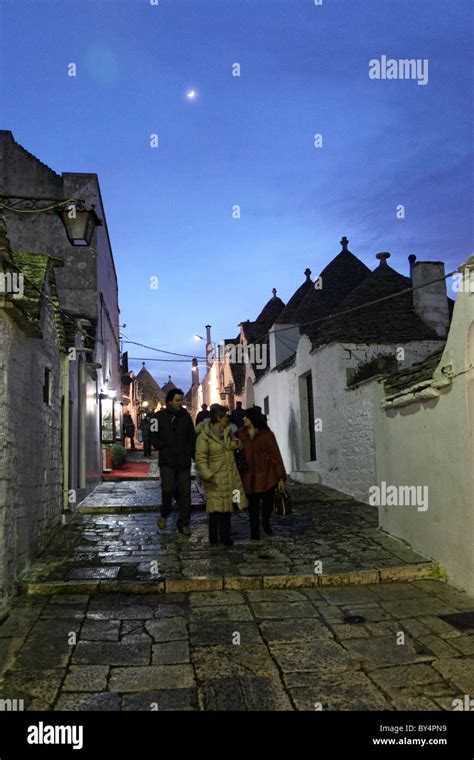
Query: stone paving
130, 496
125, 546
253, 650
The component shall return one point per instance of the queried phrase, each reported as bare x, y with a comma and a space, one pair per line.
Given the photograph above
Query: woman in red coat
265, 470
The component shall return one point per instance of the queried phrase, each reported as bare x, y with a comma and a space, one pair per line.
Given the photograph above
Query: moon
191, 94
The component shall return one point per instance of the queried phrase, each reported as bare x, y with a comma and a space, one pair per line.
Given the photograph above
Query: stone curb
405, 573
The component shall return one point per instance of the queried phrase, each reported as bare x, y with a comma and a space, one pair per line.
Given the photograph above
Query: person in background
175, 440
129, 429
202, 415
145, 428
265, 470
237, 416
215, 463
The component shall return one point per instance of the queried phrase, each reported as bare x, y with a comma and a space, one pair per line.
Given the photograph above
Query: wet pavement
254, 650
129, 496
118, 616
327, 535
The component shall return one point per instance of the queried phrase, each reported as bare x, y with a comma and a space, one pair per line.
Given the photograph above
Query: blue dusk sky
247, 141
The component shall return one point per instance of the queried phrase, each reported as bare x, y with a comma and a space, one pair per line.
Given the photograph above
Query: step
402, 573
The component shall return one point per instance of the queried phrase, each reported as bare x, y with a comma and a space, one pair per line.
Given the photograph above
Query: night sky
246, 140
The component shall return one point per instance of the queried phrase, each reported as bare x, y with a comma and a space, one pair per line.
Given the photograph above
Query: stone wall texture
30, 445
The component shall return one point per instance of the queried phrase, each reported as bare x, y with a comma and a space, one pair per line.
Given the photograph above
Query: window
47, 386
266, 405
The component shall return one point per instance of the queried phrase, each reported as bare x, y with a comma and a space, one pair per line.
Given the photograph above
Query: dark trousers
260, 504
219, 526
174, 481
147, 447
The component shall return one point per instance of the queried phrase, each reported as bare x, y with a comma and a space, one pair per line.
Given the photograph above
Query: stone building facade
88, 295
32, 363
65, 344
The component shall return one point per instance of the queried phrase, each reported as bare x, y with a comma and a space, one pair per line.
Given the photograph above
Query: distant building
169, 385
151, 393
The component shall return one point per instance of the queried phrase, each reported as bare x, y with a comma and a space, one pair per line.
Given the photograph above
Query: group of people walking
240, 465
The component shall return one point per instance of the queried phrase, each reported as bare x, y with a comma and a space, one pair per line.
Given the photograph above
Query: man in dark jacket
174, 436
129, 429
237, 416
202, 415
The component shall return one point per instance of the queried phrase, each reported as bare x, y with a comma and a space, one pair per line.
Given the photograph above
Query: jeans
147, 447
179, 482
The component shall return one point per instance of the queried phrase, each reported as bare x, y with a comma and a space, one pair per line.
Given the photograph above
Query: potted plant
118, 454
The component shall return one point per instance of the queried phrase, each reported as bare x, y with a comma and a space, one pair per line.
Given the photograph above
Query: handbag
240, 461
282, 503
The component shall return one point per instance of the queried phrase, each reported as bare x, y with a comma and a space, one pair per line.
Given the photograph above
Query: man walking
202, 415
145, 428
237, 416
175, 440
129, 429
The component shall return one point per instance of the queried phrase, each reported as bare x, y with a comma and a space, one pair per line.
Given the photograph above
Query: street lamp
78, 220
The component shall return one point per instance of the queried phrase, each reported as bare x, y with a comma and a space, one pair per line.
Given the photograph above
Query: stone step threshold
404, 573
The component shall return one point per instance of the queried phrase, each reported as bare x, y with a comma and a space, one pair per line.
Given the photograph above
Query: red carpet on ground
129, 469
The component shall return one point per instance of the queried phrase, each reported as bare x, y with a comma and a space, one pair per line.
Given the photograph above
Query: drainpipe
65, 365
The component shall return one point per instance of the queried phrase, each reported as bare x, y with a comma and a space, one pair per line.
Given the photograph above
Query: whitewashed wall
431, 443
345, 445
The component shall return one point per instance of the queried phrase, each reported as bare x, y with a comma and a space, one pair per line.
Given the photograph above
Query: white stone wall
430, 443
30, 445
346, 450
345, 445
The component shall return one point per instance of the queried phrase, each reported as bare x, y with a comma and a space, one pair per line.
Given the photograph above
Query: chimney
430, 302
195, 373
208, 347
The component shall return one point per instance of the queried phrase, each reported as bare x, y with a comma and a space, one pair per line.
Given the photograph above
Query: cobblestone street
113, 543
253, 650
252, 627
